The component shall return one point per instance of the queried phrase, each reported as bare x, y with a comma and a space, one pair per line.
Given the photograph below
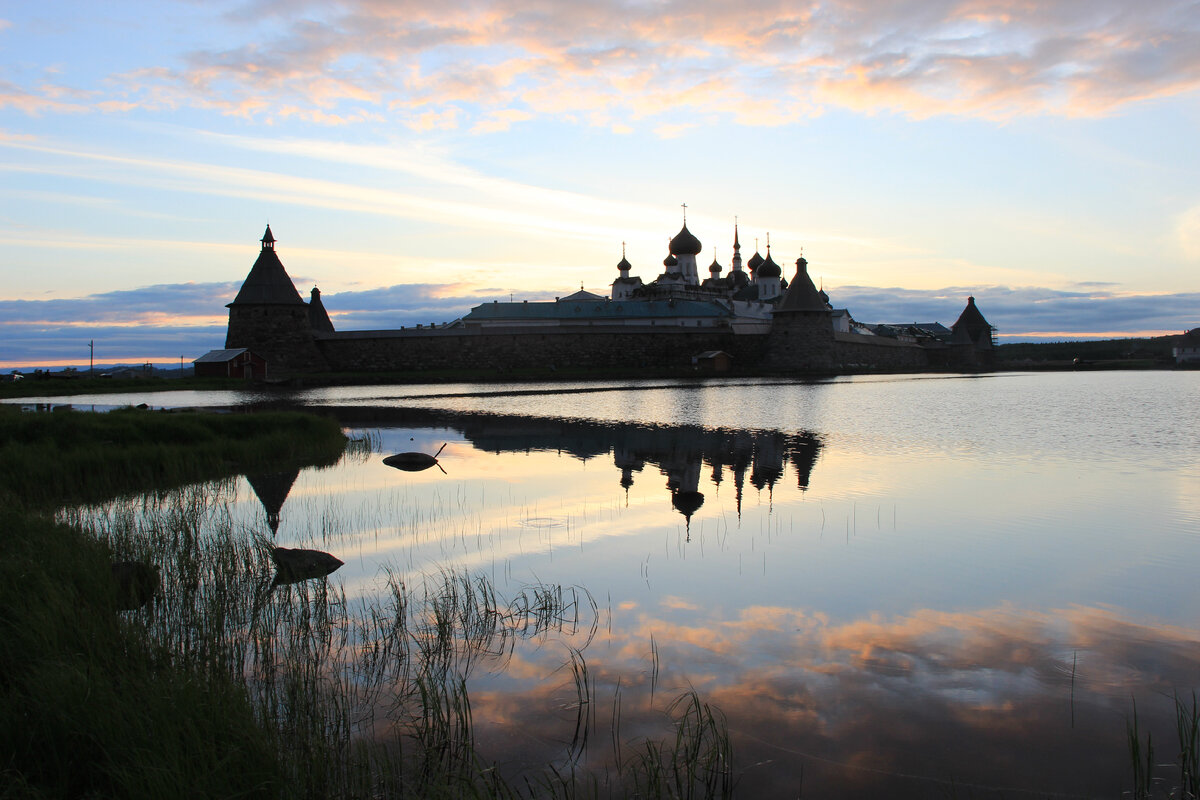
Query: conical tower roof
318, 317
268, 282
801, 295
972, 327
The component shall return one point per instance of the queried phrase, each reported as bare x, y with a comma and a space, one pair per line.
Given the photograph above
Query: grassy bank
58, 385
76, 457
231, 684
91, 705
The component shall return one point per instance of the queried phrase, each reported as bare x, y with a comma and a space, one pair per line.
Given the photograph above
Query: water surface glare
902, 586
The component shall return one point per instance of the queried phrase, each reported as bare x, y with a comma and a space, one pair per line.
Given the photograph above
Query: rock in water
293, 565
135, 584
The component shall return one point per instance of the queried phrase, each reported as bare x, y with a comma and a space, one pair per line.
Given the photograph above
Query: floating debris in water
415, 462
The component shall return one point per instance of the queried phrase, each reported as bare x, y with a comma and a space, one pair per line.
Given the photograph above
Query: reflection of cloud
597, 61
896, 707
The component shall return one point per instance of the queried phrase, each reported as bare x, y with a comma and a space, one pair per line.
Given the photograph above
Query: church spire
737, 248
268, 240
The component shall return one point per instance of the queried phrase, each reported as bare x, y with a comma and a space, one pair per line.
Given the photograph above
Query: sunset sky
415, 159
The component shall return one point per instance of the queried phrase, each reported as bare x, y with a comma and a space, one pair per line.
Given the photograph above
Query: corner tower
801, 336
972, 339
269, 318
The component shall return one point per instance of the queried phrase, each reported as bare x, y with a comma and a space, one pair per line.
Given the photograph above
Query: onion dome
715, 268
685, 244
687, 503
670, 261
623, 265
768, 268
754, 262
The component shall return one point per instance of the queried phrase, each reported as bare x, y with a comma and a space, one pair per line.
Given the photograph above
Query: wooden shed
234, 363
713, 361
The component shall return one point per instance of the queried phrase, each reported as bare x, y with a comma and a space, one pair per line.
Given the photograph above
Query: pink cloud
510, 60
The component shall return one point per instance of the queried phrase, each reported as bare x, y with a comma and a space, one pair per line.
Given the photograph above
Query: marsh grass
70, 457
1147, 774
369, 697
226, 685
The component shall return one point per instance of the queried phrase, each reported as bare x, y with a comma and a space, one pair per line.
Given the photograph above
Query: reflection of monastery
681, 453
750, 315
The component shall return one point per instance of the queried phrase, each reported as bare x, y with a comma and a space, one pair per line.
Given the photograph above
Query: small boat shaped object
415, 462
293, 565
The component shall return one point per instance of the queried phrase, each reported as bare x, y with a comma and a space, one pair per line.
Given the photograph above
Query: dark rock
293, 565
135, 584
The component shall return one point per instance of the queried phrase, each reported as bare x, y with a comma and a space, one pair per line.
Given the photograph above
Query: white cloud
1187, 229
359, 59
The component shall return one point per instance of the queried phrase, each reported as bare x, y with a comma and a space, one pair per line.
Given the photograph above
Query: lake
890, 586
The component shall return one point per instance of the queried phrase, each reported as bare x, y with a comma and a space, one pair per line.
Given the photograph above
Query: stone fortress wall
269, 318
422, 350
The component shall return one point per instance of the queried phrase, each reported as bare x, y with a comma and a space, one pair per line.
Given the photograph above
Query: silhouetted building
237, 362
737, 321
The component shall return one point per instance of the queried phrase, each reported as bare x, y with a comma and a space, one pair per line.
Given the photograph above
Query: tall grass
1148, 778
370, 696
228, 685
77, 457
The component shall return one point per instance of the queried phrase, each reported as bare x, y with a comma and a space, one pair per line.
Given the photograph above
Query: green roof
608, 310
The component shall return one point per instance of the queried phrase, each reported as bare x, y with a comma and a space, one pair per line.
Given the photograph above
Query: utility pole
91, 358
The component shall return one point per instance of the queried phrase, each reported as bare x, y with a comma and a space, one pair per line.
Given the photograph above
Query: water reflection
908, 622
680, 452
272, 489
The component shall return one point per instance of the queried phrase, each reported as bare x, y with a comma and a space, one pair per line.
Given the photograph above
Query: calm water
921, 586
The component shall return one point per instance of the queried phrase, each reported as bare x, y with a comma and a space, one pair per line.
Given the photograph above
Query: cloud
756, 62
913, 705
402, 305
1187, 229
158, 323
1031, 313
153, 322
44, 99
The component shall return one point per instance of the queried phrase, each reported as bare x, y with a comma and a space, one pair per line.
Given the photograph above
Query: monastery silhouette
747, 320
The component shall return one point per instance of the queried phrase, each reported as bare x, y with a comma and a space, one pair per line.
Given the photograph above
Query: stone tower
801, 336
971, 344
269, 318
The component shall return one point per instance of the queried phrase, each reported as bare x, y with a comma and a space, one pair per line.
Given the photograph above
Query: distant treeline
1156, 349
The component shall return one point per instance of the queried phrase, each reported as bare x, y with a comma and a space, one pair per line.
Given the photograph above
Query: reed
74, 457
226, 684
1187, 728
1142, 755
